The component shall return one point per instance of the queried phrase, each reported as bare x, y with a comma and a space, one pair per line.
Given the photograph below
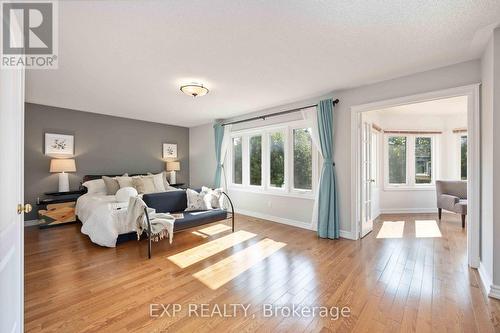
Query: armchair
452, 196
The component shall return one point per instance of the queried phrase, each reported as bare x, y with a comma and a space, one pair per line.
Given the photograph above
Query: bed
103, 219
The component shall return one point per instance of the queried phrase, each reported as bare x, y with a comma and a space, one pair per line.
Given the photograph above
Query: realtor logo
29, 34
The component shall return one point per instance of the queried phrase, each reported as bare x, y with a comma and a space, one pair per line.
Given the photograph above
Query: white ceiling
440, 107
128, 58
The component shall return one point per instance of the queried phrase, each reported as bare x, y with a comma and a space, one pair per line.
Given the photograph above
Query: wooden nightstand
58, 208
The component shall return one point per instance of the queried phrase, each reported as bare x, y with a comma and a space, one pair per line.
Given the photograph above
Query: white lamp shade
62, 165
173, 166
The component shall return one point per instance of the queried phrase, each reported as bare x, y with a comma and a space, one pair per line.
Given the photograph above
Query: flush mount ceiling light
194, 89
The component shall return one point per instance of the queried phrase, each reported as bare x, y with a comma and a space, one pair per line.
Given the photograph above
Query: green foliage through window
256, 160
277, 159
397, 159
237, 161
463, 157
302, 159
423, 160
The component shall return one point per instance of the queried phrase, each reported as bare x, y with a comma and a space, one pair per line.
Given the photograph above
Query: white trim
494, 291
485, 279
290, 222
407, 210
30, 223
473, 158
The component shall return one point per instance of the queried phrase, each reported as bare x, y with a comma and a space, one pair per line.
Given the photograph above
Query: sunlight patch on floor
427, 229
391, 229
201, 252
214, 229
227, 269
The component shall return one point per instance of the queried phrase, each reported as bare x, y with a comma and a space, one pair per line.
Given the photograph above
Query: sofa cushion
197, 218
166, 202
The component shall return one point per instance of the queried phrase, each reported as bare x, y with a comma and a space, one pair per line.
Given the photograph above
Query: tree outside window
277, 159
423, 160
397, 159
237, 161
463, 157
256, 160
302, 159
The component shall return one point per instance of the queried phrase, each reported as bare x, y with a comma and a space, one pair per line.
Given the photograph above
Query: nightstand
58, 208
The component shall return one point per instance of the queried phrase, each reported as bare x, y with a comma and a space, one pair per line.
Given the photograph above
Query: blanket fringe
159, 236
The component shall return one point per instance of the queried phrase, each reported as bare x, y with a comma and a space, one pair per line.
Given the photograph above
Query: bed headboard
86, 178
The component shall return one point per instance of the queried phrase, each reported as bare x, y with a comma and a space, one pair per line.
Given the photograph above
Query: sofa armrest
447, 201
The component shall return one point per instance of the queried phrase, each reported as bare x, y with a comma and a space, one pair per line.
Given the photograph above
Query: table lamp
62, 166
173, 167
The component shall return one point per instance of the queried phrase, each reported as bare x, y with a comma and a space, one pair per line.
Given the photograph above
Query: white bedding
103, 218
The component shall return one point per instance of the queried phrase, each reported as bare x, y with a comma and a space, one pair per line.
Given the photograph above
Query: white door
11, 199
375, 164
366, 179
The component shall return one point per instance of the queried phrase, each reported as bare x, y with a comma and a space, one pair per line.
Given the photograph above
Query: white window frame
375, 154
410, 183
266, 188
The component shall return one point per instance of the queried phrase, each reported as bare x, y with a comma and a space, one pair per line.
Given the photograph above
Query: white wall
486, 265
441, 78
447, 149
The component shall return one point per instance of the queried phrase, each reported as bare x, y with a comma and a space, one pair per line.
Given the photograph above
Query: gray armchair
452, 196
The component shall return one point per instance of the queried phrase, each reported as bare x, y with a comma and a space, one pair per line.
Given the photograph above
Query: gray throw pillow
112, 185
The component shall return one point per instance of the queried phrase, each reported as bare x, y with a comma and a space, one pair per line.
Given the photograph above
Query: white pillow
95, 186
159, 183
125, 193
197, 201
216, 196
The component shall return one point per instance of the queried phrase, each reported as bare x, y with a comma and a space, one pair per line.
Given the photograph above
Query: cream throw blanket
162, 224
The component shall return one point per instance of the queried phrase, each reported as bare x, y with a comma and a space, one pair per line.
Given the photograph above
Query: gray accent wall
103, 145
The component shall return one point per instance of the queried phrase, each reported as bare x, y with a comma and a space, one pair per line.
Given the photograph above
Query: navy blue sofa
176, 202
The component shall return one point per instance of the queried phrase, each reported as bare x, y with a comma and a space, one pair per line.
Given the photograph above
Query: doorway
417, 171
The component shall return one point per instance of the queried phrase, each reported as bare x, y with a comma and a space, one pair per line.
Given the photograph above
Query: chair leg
463, 221
440, 210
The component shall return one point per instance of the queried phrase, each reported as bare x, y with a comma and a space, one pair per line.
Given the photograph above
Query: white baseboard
290, 222
489, 288
30, 223
407, 210
347, 235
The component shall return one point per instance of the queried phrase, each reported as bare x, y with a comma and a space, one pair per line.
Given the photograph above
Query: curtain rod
273, 114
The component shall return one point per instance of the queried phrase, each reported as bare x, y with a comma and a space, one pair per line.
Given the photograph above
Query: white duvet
103, 218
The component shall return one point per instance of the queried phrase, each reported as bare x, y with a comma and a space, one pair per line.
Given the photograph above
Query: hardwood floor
406, 283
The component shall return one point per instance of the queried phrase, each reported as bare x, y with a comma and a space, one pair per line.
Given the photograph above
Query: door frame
473, 157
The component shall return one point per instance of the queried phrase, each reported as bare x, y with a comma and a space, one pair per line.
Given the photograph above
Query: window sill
278, 193
410, 188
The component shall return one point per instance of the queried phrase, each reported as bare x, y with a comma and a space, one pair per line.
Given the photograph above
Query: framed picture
169, 150
59, 144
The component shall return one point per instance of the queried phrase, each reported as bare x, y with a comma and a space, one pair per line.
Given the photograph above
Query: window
302, 159
375, 158
463, 157
423, 160
256, 160
397, 159
277, 159
410, 160
237, 161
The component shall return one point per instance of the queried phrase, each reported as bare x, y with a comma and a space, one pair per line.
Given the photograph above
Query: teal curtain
328, 215
219, 136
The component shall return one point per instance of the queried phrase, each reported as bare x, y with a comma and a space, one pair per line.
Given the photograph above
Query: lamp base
63, 182
172, 177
